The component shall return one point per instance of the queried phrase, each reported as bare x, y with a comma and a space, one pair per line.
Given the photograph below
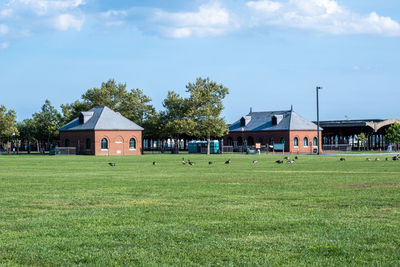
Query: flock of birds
397, 157
285, 159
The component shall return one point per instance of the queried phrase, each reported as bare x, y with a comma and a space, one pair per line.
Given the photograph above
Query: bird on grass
228, 161
386, 159
342, 159
279, 161
377, 159
287, 158
112, 164
191, 163
255, 161
296, 157
290, 161
183, 161
368, 159
210, 162
154, 163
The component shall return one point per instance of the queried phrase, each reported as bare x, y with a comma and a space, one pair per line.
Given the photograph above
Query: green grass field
77, 210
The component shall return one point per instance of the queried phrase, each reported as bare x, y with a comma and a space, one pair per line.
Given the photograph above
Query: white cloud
46, 7
114, 13
210, 19
264, 6
3, 29
4, 45
320, 15
65, 22
4, 13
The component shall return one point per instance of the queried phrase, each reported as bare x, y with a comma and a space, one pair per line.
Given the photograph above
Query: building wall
118, 142
300, 136
288, 136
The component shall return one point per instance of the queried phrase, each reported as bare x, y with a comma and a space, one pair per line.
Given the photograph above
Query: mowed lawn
77, 210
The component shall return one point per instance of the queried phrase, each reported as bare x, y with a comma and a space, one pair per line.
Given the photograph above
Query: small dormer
244, 121
84, 117
276, 119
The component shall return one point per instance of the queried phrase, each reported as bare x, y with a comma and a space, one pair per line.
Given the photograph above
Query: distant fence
65, 151
337, 147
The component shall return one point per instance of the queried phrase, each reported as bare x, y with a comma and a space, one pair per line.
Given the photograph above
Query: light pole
317, 89
242, 139
15, 142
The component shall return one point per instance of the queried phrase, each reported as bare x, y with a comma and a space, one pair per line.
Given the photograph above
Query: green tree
27, 131
393, 134
46, 123
205, 107
361, 138
7, 124
133, 104
176, 118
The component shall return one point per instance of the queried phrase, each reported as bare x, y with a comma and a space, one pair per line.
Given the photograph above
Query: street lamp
15, 142
317, 89
242, 139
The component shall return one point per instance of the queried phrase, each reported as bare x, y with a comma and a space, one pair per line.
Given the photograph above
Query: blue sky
270, 54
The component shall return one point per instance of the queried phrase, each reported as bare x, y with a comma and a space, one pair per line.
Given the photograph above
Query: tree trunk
37, 146
208, 145
29, 147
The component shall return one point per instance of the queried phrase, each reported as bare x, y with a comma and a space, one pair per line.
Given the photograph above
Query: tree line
197, 115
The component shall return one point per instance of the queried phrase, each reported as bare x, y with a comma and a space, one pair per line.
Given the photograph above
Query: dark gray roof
349, 123
262, 121
101, 118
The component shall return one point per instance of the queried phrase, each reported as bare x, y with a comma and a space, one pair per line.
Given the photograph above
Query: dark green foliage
393, 134
46, 123
77, 210
133, 104
7, 124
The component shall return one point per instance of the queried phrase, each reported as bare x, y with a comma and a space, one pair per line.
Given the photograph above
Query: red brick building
273, 128
101, 131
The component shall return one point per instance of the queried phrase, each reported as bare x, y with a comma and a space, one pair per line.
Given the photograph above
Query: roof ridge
290, 119
98, 117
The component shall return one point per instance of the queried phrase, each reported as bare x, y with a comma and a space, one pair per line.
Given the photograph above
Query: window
67, 143
104, 143
282, 140
305, 142
88, 143
132, 143
271, 141
274, 120
315, 141
242, 122
296, 142
81, 119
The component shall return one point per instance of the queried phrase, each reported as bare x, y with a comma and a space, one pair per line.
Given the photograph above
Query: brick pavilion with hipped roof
102, 131
296, 133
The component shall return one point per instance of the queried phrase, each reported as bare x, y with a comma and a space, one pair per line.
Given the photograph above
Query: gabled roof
262, 121
101, 118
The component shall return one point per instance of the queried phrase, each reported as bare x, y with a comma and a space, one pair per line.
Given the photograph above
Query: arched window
132, 143
296, 142
88, 143
271, 141
261, 140
250, 141
104, 143
67, 143
315, 141
305, 142
240, 141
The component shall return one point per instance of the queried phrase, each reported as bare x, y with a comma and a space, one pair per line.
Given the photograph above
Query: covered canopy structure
345, 132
